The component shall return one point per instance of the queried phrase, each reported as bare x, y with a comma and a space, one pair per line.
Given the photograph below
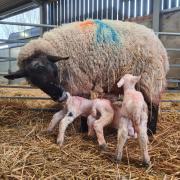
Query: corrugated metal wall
66, 11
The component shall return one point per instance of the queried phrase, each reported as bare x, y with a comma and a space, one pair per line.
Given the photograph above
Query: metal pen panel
173, 3
80, 10
120, 10
104, 9
55, 13
115, 9
126, 9
70, 10
132, 8
52, 18
109, 9
100, 10
66, 10
73, 10
77, 10
90, 9
138, 7
58, 13
95, 9
49, 13
62, 11
150, 6
144, 11
166, 3
86, 9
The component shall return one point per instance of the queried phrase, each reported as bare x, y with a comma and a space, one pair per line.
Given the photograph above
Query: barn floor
28, 152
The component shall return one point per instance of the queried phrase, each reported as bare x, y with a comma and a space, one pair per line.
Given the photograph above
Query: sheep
92, 56
78, 106
133, 109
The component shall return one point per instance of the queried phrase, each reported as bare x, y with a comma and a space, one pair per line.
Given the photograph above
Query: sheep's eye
40, 68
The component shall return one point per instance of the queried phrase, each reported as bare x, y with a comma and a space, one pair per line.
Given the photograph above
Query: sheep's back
101, 52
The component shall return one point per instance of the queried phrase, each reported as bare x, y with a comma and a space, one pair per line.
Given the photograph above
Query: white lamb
133, 109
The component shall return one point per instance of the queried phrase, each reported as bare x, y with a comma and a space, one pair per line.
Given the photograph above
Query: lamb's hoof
59, 142
103, 147
146, 163
118, 159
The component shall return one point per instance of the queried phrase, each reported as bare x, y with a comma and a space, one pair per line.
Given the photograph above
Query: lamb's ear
120, 83
15, 75
55, 59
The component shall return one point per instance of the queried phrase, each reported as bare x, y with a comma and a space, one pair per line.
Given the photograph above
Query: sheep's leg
56, 118
83, 125
153, 118
122, 137
68, 119
98, 125
90, 123
143, 139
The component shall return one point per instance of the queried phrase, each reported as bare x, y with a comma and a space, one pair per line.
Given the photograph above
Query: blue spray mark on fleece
106, 34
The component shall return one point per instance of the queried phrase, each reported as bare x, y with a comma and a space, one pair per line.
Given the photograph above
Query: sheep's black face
42, 72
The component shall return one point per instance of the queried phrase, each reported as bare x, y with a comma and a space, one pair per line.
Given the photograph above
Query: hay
27, 152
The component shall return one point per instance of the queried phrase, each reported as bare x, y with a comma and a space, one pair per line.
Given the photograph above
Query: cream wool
101, 64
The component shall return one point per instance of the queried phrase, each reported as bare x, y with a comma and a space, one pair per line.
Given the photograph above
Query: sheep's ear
120, 83
55, 59
15, 75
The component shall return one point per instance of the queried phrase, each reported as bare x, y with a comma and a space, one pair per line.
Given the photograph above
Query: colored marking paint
106, 34
86, 24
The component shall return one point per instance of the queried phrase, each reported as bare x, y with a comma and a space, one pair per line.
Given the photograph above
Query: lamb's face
42, 72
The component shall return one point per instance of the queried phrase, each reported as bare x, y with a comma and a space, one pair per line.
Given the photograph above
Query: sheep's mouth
56, 92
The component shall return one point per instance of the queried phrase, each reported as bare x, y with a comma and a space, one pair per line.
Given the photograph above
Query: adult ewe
100, 52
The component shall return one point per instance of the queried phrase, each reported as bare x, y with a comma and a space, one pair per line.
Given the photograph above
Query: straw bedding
27, 152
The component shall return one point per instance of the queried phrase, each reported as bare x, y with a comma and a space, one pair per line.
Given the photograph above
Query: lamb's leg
56, 118
143, 139
153, 118
69, 118
99, 124
122, 137
90, 123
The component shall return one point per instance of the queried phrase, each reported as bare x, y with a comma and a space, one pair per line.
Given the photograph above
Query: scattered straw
27, 152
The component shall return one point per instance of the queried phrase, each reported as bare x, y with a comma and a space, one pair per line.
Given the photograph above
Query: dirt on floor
27, 151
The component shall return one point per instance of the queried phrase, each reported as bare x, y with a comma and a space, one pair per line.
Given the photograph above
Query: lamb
78, 106
133, 109
91, 56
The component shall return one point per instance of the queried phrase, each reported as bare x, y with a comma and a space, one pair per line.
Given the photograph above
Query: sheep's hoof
103, 147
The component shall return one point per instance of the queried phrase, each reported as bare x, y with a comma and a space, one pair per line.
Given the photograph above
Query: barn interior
27, 151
